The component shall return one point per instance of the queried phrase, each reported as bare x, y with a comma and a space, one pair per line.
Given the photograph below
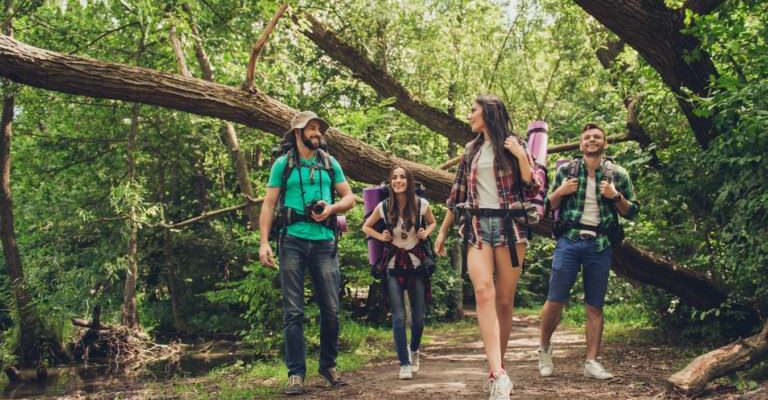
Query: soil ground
453, 367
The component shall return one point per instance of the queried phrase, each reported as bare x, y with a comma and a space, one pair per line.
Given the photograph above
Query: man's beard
309, 143
595, 153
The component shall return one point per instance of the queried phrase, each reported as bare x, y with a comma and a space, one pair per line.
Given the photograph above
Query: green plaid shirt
572, 207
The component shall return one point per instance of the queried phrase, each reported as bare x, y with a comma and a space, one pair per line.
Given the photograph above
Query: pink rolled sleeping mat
372, 196
537, 147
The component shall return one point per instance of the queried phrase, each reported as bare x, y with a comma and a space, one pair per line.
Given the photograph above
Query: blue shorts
490, 230
568, 259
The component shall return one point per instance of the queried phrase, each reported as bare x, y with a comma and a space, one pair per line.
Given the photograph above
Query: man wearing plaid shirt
590, 193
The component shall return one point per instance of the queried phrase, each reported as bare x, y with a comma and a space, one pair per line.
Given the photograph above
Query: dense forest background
98, 183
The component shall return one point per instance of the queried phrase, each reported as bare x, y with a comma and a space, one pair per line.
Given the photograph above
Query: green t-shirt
317, 186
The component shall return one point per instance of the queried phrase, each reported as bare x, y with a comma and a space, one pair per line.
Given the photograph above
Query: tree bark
228, 133
129, 315
172, 278
77, 75
259, 45
738, 355
383, 83
34, 340
458, 294
656, 32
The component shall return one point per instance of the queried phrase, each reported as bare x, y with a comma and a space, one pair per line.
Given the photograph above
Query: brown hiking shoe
295, 385
332, 376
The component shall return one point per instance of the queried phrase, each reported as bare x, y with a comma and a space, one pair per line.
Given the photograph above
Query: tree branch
657, 33
250, 201
702, 7
383, 83
259, 46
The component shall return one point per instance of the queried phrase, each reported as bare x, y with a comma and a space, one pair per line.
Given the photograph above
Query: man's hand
608, 190
265, 256
568, 187
323, 215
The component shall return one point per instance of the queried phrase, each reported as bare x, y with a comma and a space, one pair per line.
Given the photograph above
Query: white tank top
591, 214
487, 192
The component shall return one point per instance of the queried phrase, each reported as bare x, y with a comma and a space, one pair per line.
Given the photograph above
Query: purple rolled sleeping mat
372, 196
537, 146
559, 163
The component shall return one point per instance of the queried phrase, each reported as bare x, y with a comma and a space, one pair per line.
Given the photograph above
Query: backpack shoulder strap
290, 164
608, 168
384, 205
327, 165
573, 168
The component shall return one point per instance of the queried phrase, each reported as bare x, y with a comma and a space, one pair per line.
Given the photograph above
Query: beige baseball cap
301, 119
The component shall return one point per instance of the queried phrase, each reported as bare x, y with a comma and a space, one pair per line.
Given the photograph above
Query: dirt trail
453, 367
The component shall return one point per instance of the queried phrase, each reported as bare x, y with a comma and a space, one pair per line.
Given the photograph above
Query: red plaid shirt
464, 189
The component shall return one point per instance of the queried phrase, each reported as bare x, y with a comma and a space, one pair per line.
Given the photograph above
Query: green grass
627, 323
360, 344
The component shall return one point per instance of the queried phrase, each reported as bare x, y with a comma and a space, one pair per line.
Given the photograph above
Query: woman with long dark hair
494, 170
408, 222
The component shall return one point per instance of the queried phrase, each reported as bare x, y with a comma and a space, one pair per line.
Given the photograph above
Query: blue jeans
416, 294
323, 265
568, 259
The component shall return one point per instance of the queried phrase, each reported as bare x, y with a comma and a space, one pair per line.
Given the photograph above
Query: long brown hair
410, 211
499, 127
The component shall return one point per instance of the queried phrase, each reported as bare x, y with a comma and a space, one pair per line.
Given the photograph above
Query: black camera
315, 206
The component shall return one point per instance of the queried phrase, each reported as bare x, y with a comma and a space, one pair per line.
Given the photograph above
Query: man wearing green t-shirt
303, 181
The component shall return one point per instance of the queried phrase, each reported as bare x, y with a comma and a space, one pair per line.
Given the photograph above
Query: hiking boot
332, 376
593, 369
295, 385
500, 386
406, 372
545, 361
413, 357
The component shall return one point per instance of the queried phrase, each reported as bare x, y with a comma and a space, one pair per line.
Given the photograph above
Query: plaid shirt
572, 207
464, 189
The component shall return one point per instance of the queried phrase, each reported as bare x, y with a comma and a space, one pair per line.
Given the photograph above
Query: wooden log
735, 356
77, 75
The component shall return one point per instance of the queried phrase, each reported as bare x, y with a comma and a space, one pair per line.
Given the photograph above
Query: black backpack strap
607, 167
573, 168
385, 218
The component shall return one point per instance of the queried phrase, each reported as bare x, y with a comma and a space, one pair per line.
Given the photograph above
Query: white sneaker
545, 361
593, 369
405, 372
413, 357
500, 387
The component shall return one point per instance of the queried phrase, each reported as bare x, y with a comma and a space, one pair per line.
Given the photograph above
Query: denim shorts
569, 258
490, 230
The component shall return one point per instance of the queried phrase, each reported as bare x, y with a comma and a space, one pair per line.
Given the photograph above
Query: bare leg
506, 287
594, 331
480, 266
550, 318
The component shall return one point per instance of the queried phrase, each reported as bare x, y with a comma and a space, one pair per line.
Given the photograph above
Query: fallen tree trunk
693, 287
738, 355
76, 75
